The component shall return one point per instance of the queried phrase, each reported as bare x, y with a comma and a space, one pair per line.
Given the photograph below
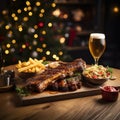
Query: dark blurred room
80, 18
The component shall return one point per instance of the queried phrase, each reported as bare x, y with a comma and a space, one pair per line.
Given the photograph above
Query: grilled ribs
40, 82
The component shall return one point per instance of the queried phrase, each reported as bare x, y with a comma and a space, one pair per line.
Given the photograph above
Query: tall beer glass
97, 45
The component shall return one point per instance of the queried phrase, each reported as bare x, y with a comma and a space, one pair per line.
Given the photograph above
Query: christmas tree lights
29, 30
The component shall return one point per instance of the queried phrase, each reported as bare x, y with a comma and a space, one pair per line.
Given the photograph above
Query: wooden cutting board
85, 90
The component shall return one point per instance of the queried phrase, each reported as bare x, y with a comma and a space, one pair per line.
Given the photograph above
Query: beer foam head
97, 35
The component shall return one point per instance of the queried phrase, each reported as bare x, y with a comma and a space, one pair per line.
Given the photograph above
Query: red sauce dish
109, 93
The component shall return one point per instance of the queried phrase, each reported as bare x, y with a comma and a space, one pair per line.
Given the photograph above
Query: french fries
31, 66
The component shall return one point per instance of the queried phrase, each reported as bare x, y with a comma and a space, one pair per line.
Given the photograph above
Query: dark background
109, 23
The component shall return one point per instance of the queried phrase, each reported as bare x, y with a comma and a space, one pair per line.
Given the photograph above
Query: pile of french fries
31, 66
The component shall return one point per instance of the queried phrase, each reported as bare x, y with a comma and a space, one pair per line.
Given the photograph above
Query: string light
25, 19
39, 50
49, 24
42, 10
35, 27
4, 12
15, 18
20, 28
8, 45
44, 45
6, 52
29, 8
13, 15
57, 58
40, 15
38, 3
23, 46
25, 9
7, 27
57, 12
35, 35
53, 5
116, 9
13, 41
62, 40
43, 32
47, 52
19, 11
30, 13
28, 3
60, 53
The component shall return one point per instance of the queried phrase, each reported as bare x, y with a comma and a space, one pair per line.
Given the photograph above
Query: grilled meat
68, 84
40, 82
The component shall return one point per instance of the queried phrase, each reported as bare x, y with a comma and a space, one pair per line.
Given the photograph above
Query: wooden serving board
85, 90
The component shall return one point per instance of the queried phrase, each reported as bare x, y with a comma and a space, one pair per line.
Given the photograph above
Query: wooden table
83, 108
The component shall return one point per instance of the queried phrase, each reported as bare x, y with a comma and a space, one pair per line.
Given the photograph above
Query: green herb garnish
23, 91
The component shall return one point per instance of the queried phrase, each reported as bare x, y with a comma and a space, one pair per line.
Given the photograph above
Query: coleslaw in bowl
97, 74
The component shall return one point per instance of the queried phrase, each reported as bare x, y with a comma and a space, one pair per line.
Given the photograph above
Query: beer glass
97, 45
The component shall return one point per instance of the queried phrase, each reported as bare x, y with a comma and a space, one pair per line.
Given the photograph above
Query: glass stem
96, 61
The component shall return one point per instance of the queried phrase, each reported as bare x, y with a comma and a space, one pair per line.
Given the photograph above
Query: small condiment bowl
109, 93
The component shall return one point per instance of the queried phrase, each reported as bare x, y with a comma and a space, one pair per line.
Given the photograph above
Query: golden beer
97, 45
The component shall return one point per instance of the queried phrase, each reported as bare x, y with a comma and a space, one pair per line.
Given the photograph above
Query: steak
41, 81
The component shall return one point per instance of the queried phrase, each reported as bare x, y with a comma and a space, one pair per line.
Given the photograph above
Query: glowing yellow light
44, 45
25, 9
8, 45
7, 27
28, 3
62, 40
54, 56
4, 12
38, 3
19, 11
39, 50
29, 8
53, 4
13, 15
60, 53
35, 27
43, 32
40, 15
49, 24
47, 52
35, 35
30, 13
7, 52
57, 12
44, 58
13, 41
65, 16
57, 58
116, 9
23, 46
25, 19
42, 10
20, 28
15, 18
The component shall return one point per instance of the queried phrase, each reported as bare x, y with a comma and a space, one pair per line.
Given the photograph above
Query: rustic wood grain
83, 108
